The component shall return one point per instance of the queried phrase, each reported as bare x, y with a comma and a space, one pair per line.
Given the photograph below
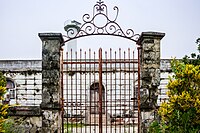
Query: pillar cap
51, 36
151, 35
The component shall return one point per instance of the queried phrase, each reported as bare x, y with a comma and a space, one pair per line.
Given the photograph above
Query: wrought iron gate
100, 92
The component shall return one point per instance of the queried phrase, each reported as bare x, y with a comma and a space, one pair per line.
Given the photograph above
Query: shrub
3, 107
182, 112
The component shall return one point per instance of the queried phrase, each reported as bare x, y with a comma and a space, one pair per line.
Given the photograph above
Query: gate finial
99, 7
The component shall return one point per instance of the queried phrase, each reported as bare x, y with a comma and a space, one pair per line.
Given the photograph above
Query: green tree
3, 107
194, 58
198, 43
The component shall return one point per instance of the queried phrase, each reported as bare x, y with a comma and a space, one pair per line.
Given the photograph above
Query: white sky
22, 20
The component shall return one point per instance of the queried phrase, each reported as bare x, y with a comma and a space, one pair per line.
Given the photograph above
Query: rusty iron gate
100, 92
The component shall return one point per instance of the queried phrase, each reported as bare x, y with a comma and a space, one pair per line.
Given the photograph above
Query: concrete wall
29, 77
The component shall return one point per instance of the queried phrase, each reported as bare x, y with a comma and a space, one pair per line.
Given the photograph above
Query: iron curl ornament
106, 26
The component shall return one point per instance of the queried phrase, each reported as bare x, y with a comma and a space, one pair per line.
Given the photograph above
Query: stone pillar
51, 85
150, 75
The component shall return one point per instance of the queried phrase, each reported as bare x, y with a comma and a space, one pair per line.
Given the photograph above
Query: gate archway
113, 107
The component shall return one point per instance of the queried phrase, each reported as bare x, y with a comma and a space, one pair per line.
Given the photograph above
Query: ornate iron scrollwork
107, 27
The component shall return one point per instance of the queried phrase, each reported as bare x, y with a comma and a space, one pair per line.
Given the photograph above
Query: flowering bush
181, 113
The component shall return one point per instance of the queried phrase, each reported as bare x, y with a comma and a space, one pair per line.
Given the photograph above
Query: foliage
3, 108
194, 58
155, 127
198, 43
13, 126
69, 126
182, 112
7, 125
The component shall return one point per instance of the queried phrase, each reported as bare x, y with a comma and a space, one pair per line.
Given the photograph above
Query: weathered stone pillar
51, 86
150, 75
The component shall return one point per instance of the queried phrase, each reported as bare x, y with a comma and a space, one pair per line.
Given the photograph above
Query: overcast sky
22, 20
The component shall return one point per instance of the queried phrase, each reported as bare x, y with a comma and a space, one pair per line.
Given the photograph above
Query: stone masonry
150, 74
51, 89
26, 119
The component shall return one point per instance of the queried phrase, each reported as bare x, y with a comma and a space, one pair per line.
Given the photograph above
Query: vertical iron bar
100, 90
95, 92
134, 93
67, 89
111, 89
106, 92
139, 89
90, 71
76, 86
85, 108
124, 95
80, 92
115, 91
129, 91
120, 90
62, 99
71, 93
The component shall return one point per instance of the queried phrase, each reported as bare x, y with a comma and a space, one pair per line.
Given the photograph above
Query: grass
73, 125
69, 126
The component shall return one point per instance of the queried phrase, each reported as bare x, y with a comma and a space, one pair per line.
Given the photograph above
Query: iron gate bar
106, 97
71, 91
62, 98
80, 80
111, 86
100, 90
67, 80
124, 91
115, 90
95, 97
130, 86
85, 87
76, 87
120, 81
90, 84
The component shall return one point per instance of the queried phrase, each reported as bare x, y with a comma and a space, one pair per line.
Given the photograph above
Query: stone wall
51, 82
25, 119
150, 75
150, 69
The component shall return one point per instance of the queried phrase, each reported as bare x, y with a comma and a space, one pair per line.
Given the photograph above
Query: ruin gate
107, 91
99, 92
